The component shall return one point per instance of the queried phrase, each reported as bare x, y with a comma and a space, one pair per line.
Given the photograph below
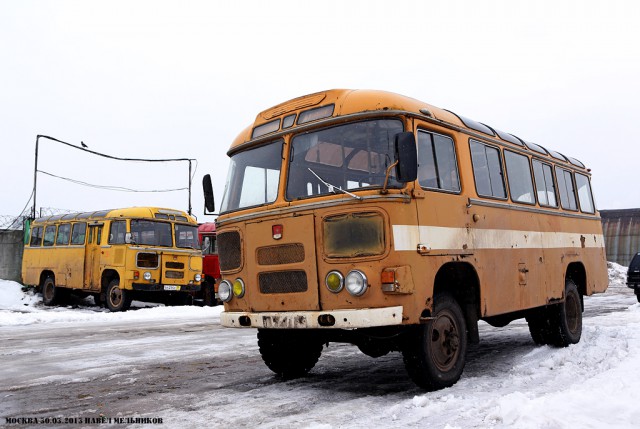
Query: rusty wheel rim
572, 311
48, 291
115, 296
445, 341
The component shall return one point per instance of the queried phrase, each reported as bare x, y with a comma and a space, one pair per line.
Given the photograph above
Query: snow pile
617, 275
13, 298
25, 308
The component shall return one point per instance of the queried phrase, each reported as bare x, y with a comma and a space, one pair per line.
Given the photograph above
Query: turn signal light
276, 231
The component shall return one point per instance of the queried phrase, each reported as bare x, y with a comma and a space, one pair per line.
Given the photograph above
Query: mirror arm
384, 190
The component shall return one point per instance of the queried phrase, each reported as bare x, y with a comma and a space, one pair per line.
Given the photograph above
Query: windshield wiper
331, 187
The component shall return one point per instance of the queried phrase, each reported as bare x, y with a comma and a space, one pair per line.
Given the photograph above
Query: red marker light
277, 230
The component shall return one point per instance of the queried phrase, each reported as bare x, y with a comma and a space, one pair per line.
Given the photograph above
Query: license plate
284, 321
169, 287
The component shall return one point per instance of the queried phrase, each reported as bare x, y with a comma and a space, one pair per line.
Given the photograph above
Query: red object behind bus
210, 263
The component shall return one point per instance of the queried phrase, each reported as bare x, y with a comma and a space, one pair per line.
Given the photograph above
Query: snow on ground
508, 381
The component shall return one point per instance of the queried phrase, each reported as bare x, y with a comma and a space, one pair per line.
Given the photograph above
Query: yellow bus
145, 253
379, 220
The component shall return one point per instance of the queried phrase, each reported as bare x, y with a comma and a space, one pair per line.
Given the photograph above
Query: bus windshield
151, 233
253, 177
351, 156
187, 236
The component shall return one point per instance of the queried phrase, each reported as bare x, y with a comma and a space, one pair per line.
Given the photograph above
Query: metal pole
35, 180
189, 187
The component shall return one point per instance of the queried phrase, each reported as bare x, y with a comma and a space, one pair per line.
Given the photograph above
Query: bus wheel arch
578, 275
460, 279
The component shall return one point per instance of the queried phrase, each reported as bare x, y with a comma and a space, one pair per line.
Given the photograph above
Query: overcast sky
162, 79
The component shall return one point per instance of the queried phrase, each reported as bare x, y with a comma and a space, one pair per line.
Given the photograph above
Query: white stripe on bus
407, 237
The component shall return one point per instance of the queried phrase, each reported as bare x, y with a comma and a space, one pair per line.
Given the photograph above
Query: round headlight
334, 281
224, 291
147, 275
356, 282
238, 288
198, 277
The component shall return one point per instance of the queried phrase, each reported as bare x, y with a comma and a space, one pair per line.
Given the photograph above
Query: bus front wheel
49, 292
117, 299
435, 352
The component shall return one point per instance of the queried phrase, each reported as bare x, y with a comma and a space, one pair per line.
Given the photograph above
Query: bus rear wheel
289, 353
117, 299
49, 292
434, 354
559, 325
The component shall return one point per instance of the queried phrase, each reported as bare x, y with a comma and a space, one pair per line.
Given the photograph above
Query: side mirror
209, 203
407, 157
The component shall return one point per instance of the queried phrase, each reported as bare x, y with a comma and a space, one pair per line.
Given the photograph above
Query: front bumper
333, 319
155, 287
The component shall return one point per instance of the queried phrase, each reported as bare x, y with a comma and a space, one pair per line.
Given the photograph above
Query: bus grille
229, 251
278, 255
283, 282
174, 274
175, 265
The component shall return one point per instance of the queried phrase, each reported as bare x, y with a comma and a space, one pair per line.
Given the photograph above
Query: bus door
92, 258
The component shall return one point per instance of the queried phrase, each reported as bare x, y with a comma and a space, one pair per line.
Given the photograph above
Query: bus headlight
198, 277
238, 288
356, 282
147, 275
224, 291
334, 281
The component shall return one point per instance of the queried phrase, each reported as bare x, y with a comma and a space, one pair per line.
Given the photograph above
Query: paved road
186, 372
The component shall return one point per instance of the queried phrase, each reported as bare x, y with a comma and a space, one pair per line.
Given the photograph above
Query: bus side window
545, 184
78, 233
585, 197
63, 234
487, 170
567, 191
49, 235
437, 167
36, 237
117, 232
519, 175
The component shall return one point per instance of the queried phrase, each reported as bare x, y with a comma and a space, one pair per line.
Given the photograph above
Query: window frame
573, 188
590, 194
553, 182
473, 169
60, 228
435, 159
531, 180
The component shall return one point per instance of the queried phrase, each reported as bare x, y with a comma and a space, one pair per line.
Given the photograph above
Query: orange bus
379, 220
116, 255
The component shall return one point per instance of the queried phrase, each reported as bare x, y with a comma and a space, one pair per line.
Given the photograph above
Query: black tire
567, 318
558, 325
50, 293
99, 299
289, 353
208, 294
117, 299
540, 326
374, 349
435, 352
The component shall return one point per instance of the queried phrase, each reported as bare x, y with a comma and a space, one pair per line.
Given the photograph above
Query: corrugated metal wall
621, 230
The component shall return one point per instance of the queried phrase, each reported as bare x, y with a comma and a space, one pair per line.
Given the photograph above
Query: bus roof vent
296, 103
474, 125
536, 148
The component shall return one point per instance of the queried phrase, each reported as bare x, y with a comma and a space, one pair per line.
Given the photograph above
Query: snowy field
178, 364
